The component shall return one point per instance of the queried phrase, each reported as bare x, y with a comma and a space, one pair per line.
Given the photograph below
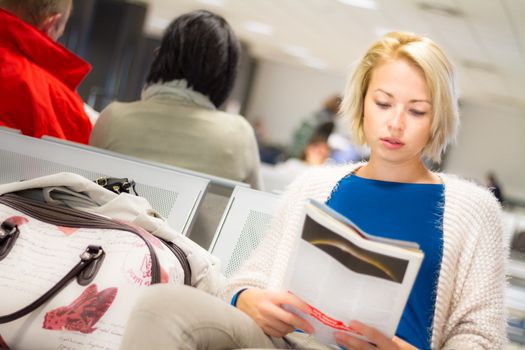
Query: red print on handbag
17, 220
3, 345
83, 313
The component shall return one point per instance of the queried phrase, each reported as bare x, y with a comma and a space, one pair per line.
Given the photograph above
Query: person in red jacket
39, 77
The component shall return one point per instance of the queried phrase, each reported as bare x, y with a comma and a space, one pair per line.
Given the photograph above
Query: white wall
283, 95
491, 137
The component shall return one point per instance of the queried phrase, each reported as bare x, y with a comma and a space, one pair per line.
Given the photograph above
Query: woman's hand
374, 336
266, 308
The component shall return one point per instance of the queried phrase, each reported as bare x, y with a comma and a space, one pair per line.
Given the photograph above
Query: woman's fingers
275, 310
376, 339
352, 343
289, 318
277, 329
266, 308
293, 300
283, 298
375, 336
272, 332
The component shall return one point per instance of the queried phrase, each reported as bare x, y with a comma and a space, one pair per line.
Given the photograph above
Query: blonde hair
440, 79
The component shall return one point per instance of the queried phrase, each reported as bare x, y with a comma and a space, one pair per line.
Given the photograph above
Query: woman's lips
392, 143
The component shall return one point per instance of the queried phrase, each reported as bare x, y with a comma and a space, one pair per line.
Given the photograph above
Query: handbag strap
70, 217
181, 256
91, 259
90, 256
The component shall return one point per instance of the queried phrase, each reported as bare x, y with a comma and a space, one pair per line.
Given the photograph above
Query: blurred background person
39, 77
311, 124
317, 153
494, 186
343, 149
326, 120
269, 153
177, 120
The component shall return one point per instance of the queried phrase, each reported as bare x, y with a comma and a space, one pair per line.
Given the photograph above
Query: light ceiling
485, 39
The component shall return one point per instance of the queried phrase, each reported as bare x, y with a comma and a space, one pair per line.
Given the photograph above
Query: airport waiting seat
175, 195
243, 225
211, 207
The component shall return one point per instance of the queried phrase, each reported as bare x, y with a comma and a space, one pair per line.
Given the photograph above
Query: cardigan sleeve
257, 270
477, 314
266, 267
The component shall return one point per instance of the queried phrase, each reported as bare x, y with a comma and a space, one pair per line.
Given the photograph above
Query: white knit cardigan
469, 311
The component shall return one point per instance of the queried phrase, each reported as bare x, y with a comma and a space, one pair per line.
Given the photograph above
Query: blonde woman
403, 104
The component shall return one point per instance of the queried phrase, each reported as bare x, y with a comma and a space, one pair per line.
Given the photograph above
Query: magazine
346, 274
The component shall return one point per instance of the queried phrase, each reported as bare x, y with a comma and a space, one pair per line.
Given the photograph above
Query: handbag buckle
9, 233
93, 256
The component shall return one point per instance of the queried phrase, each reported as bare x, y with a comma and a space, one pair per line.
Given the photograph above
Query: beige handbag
69, 275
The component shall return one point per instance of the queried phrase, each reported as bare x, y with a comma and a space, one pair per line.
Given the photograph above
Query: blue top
410, 212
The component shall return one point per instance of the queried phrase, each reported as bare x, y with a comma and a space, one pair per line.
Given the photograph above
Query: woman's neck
414, 172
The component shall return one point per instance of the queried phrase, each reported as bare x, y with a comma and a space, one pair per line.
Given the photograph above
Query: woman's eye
382, 105
417, 113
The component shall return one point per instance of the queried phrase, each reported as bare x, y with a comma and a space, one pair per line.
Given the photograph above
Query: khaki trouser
181, 317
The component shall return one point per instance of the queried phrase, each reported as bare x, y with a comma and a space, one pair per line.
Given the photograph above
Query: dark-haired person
39, 77
177, 121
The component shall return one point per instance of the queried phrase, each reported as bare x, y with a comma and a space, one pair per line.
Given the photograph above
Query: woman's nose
397, 121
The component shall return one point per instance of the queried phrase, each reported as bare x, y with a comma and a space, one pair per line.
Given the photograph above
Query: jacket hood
42, 50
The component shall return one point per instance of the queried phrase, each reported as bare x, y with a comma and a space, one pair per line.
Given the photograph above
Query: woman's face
397, 113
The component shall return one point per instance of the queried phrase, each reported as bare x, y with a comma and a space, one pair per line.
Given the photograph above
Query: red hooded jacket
38, 82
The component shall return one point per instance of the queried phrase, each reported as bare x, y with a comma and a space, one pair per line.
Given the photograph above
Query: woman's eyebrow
411, 101
427, 101
383, 91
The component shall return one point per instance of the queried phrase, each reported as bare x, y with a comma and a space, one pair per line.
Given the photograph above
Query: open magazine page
345, 277
326, 210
